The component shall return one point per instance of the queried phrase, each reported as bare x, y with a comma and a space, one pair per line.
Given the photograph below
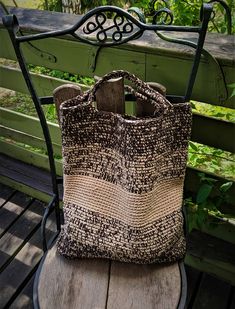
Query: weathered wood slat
211, 266
174, 74
27, 139
15, 275
63, 93
84, 285
28, 156
43, 84
223, 231
143, 286
12, 209
212, 293
23, 154
110, 96
206, 246
232, 300
212, 255
28, 125
25, 174
25, 189
148, 57
213, 132
193, 281
5, 194
19, 232
25, 299
81, 57
42, 21
205, 130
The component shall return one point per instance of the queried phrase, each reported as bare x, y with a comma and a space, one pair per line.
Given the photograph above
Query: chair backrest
97, 29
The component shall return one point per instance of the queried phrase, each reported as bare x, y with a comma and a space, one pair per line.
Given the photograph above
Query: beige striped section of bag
136, 209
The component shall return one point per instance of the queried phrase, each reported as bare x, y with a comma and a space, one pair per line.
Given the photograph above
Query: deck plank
25, 299
26, 174
213, 293
232, 300
20, 269
203, 246
15, 237
193, 281
12, 209
5, 194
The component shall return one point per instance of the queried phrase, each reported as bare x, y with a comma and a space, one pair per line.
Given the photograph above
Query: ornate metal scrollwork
156, 5
98, 29
163, 17
119, 27
225, 6
160, 12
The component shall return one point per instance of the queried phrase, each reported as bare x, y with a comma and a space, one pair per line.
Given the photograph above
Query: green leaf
203, 177
193, 105
219, 115
228, 116
200, 160
203, 193
193, 146
201, 218
191, 225
226, 186
232, 94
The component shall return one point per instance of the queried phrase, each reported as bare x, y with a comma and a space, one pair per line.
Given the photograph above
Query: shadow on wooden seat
94, 283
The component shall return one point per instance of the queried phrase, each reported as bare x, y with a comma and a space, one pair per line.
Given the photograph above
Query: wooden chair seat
100, 284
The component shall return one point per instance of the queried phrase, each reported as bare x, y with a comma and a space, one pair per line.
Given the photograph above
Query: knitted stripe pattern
123, 180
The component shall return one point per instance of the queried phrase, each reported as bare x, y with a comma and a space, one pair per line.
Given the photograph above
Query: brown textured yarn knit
123, 179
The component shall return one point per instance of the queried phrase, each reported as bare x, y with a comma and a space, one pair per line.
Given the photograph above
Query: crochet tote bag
123, 178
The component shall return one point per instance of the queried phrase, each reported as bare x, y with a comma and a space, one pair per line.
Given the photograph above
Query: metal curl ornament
165, 16
228, 13
118, 27
91, 26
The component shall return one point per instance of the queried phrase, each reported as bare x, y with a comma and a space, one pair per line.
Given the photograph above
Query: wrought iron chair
95, 283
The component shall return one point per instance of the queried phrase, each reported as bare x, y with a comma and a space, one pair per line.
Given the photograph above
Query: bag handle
144, 91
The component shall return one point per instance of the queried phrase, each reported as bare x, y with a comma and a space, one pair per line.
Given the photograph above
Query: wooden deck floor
20, 253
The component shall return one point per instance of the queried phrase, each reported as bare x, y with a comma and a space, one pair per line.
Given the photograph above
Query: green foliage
76, 78
219, 24
220, 112
18, 102
186, 12
204, 207
87, 4
52, 5
203, 193
213, 160
225, 187
233, 89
